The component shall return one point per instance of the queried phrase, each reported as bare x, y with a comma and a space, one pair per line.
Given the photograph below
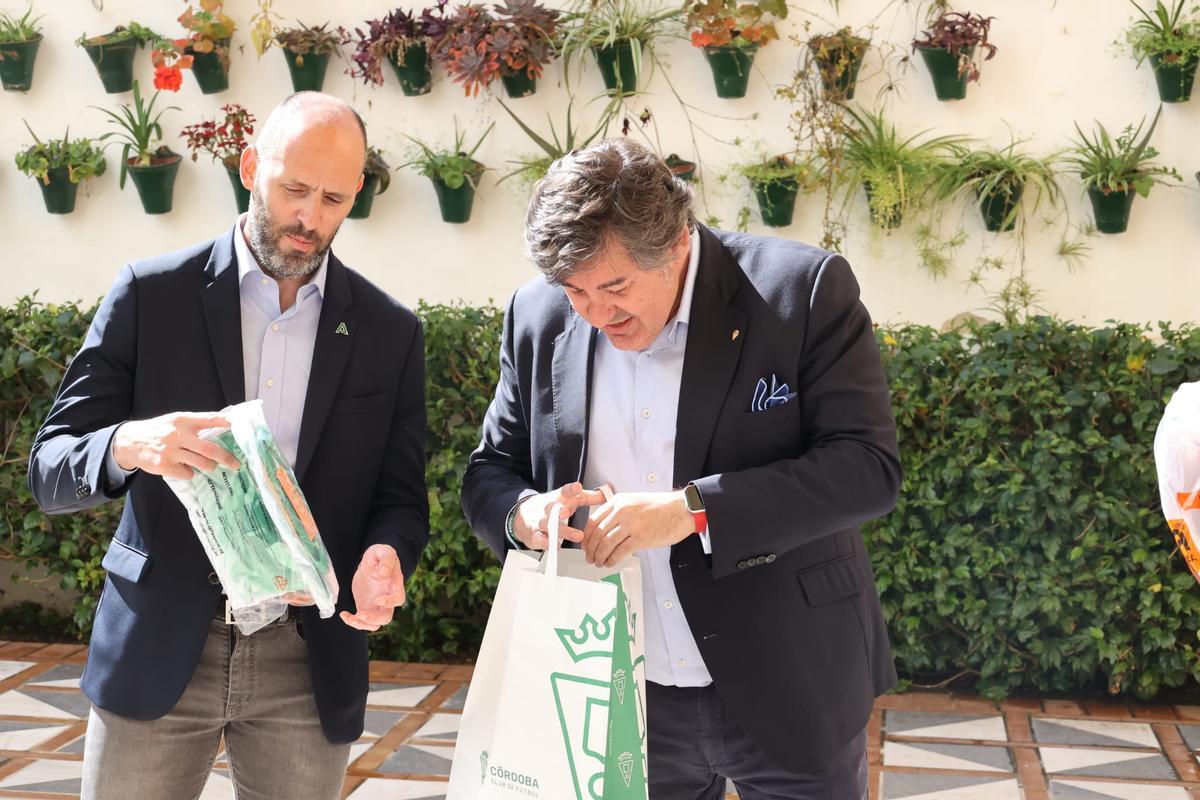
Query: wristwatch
695, 504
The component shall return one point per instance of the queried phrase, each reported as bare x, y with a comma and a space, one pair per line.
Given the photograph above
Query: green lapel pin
342, 330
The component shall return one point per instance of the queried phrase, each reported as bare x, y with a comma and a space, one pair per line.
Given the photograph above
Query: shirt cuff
706, 541
509, 536
114, 475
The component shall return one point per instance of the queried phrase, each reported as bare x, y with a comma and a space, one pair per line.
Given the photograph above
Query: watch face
691, 496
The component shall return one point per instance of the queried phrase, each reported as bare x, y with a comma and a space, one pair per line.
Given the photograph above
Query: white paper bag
556, 706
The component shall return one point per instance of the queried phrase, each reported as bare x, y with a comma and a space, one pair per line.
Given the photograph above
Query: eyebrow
337, 195
606, 285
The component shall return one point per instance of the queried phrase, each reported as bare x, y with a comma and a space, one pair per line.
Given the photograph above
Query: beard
266, 236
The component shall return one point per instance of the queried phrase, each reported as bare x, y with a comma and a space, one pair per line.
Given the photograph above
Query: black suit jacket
166, 338
786, 617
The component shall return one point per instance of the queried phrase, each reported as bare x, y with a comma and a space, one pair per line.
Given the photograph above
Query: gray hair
615, 191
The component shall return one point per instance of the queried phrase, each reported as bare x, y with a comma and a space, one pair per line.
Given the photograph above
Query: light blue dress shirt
631, 447
277, 348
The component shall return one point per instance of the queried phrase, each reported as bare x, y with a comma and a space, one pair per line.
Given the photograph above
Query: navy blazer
167, 338
786, 614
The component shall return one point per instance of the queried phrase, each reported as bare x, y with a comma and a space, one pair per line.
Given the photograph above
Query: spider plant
1002, 181
897, 172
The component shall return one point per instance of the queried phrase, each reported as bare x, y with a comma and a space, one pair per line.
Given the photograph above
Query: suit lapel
335, 335
710, 358
571, 378
223, 317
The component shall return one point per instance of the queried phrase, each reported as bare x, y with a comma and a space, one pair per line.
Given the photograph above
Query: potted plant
684, 170
532, 169
838, 57
455, 174
112, 54
209, 32
619, 34
153, 168
306, 50
1001, 180
730, 34
1114, 171
224, 142
19, 41
60, 165
401, 39
513, 45
377, 176
949, 50
1170, 39
776, 182
895, 172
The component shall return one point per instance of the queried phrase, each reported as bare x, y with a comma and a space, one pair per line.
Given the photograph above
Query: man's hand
634, 521
532, 521
171, 446
378, 587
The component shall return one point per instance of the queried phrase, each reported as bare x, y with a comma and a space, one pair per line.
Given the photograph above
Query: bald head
305, 113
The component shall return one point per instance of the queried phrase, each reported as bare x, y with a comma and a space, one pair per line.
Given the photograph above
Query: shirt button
270, 383
275, 326
651, 477
668, 605
645, 413
682, 662
265, 281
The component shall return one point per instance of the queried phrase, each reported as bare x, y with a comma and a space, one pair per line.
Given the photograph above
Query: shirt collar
248, 265
684, 315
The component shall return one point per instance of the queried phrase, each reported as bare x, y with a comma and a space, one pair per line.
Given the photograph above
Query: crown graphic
592, 639
625, 763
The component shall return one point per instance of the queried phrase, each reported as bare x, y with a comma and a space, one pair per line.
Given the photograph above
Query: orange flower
701, 39
169, 78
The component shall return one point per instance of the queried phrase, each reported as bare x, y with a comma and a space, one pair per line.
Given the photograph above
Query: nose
309, 214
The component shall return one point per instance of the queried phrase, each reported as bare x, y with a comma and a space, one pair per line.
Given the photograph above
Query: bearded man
267, 312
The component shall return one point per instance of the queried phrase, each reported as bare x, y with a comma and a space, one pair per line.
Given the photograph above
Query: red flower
168, 78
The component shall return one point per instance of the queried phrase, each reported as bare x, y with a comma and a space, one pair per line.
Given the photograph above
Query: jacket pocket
833, 581
125, 562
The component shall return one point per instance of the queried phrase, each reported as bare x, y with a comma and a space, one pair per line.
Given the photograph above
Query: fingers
623, 551
212, 451
194, 460
605, 545
357, 622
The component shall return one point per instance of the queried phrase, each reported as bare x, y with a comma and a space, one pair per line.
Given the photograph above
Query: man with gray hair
264, 311
727, 388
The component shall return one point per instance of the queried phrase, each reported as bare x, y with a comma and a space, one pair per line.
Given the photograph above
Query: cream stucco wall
1057, 64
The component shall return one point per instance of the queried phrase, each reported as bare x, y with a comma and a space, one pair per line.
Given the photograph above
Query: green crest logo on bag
625, 763
483, 759
594, 717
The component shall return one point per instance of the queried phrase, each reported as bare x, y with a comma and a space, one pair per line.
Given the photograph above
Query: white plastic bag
256, 526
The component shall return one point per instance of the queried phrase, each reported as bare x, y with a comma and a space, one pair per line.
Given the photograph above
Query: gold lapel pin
736, 333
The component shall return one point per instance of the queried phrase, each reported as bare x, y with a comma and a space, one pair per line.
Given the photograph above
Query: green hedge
1027, 551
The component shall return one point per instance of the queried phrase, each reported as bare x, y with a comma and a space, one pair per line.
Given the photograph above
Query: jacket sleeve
849, 472
399, 513
500, 470
68, 460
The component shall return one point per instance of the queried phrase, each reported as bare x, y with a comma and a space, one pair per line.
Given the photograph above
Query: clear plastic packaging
255, 525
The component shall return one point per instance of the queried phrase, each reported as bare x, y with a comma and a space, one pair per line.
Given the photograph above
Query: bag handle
550, 562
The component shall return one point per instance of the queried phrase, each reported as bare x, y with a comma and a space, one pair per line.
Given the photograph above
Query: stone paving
922, 746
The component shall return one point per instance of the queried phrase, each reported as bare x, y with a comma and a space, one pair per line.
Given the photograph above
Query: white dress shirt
631, 447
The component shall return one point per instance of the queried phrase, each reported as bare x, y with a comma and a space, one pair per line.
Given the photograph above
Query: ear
358, 188
248, 167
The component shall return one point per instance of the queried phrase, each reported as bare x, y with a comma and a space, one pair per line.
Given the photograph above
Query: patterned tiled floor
923, 746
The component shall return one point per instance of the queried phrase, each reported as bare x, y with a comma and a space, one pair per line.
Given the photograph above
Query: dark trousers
694, 749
